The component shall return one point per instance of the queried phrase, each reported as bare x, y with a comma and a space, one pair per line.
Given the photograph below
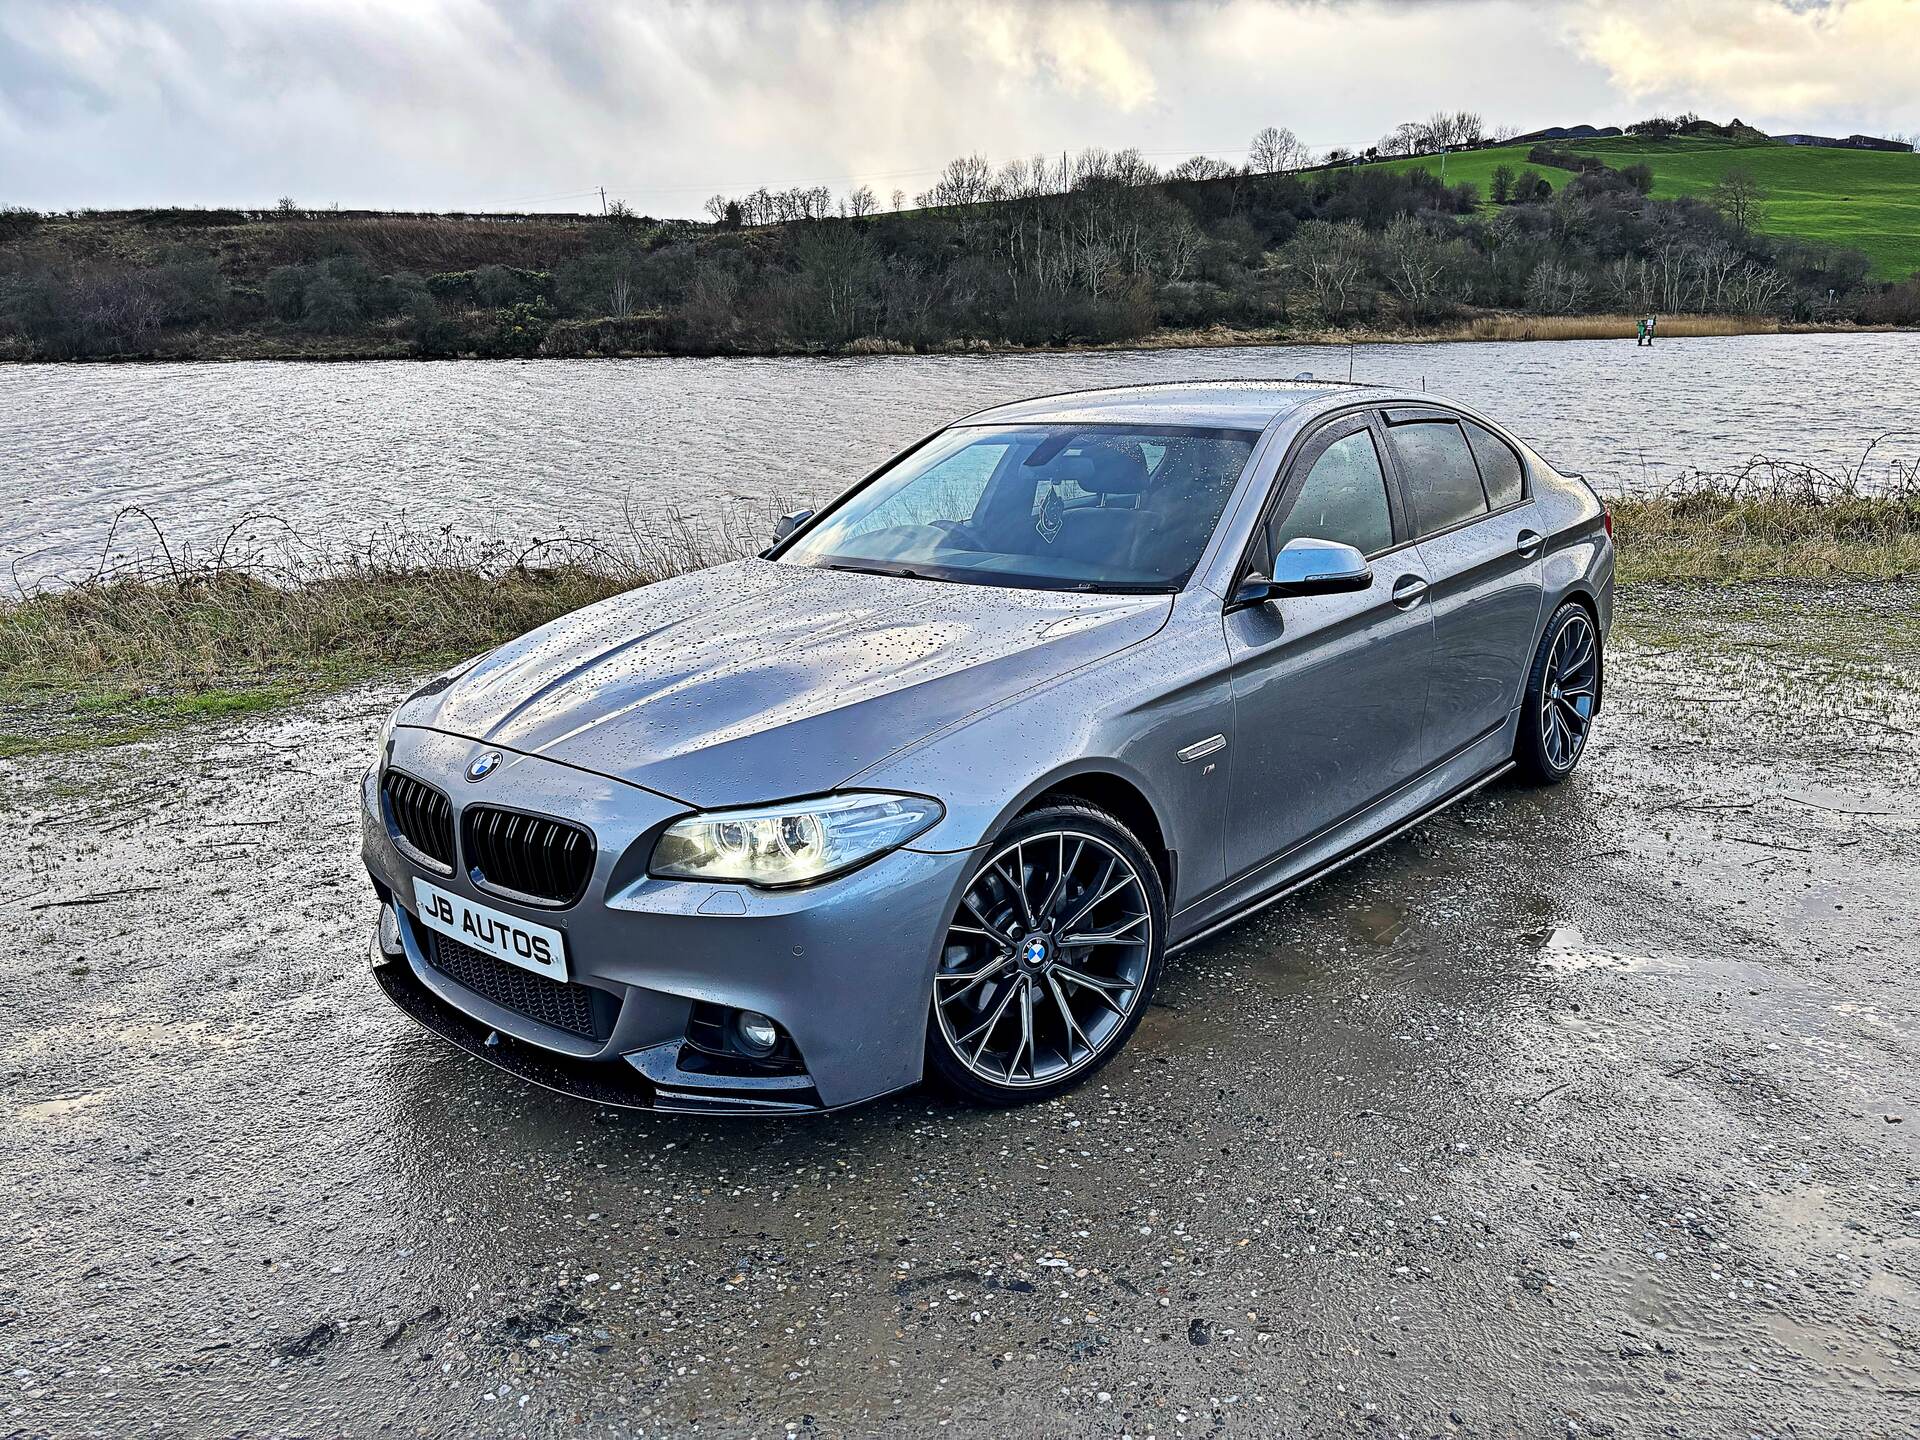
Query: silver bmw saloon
931, 787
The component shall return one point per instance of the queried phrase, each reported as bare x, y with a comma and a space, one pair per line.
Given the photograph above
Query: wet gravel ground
1583, 1112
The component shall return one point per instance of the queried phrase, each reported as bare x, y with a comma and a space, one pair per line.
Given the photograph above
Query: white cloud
1848, 63
440, 104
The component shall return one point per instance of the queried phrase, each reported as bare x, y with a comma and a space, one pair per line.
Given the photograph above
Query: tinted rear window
1499, 466
1440, 472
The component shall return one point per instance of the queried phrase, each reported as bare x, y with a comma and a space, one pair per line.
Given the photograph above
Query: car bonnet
759, 681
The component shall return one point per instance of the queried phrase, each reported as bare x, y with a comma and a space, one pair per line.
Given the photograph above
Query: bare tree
899, 199
1460, 127
1629, 285
967, 180
1754, 291
1414, 260
1274, 149
1200, 167
1131, 169
839, 269
1407, 138
862, 202
1328, 260
1555, 288
1738, 197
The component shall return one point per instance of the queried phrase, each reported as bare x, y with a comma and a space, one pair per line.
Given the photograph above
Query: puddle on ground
61, 1107
1564, 949
1377, 922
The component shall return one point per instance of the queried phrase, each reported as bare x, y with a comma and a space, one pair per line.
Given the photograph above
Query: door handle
1529, 543
1407, 591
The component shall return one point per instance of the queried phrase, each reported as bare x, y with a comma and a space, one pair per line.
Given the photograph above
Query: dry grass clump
268, 616
1776, 519
219, 625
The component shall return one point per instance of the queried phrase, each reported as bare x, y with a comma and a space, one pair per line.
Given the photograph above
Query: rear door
1329, 690
1465, 489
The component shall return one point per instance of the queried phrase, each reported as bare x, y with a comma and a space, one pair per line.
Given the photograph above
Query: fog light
390, 943
755, 1033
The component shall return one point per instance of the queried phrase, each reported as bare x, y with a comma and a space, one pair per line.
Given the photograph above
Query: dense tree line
1090, 248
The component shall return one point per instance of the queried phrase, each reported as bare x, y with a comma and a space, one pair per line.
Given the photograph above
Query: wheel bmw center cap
1033, 951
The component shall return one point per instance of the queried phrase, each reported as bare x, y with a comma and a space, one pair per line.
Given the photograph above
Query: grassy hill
1866, 199
1107, 259
1476, 167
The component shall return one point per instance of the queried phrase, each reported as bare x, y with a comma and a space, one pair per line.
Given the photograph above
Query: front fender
1125, 719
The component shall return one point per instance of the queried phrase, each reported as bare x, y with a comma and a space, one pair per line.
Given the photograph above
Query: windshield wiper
1117, 587
899, 571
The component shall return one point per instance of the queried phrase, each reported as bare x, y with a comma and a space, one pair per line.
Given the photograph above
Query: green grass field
1866, 199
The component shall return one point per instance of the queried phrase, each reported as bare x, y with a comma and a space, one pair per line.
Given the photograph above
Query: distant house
1851, 142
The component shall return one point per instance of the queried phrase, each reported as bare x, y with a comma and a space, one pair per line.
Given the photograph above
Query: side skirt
1344, 858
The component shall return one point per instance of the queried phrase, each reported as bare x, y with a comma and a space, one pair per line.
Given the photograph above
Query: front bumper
845, 967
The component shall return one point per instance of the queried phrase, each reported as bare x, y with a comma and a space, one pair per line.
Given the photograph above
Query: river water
535, 448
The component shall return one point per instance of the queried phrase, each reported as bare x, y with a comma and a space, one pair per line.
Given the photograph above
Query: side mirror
1307, 567
1320, 567
790, 522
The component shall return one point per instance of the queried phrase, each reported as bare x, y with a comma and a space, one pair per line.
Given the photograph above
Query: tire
1562, 697
1000, 957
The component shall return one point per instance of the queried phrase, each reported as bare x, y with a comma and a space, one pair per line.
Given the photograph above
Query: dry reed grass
268, 615
1613, 327
1774, 519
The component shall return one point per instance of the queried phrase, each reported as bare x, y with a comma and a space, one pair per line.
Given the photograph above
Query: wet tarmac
1591, 1111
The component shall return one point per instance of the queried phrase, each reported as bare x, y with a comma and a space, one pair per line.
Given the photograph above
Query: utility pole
603, 199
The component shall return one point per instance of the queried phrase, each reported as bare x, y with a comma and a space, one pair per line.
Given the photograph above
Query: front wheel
1563, 693
1051, 958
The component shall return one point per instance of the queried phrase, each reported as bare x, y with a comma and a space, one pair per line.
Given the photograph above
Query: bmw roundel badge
483, 765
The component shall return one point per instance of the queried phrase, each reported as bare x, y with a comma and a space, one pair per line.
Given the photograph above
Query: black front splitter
617, 1083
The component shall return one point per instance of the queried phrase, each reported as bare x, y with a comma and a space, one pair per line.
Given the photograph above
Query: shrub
285, 291
519, 329
1894, 305
328, 307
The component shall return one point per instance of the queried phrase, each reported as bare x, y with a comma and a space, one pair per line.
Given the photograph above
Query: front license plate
505, 937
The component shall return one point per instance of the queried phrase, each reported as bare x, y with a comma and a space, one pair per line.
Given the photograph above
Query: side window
1499, 467
1344, 498
1439, 470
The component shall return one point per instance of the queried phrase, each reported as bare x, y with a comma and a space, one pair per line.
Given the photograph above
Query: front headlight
791, 844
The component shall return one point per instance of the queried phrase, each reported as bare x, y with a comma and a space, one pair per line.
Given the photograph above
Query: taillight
1606, 521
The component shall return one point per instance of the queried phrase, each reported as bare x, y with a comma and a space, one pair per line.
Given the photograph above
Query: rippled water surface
529, 448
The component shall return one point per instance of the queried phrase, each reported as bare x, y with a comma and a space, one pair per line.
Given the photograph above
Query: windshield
1058, 507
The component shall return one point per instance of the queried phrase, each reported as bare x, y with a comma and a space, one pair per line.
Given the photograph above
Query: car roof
1222, 404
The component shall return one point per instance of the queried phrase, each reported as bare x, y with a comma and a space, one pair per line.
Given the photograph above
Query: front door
1482, 544
1329, 690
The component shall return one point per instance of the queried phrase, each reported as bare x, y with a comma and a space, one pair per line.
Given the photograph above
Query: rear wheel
1050, 960
1563, 693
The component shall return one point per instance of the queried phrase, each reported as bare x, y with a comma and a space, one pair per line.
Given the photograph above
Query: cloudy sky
485, 104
